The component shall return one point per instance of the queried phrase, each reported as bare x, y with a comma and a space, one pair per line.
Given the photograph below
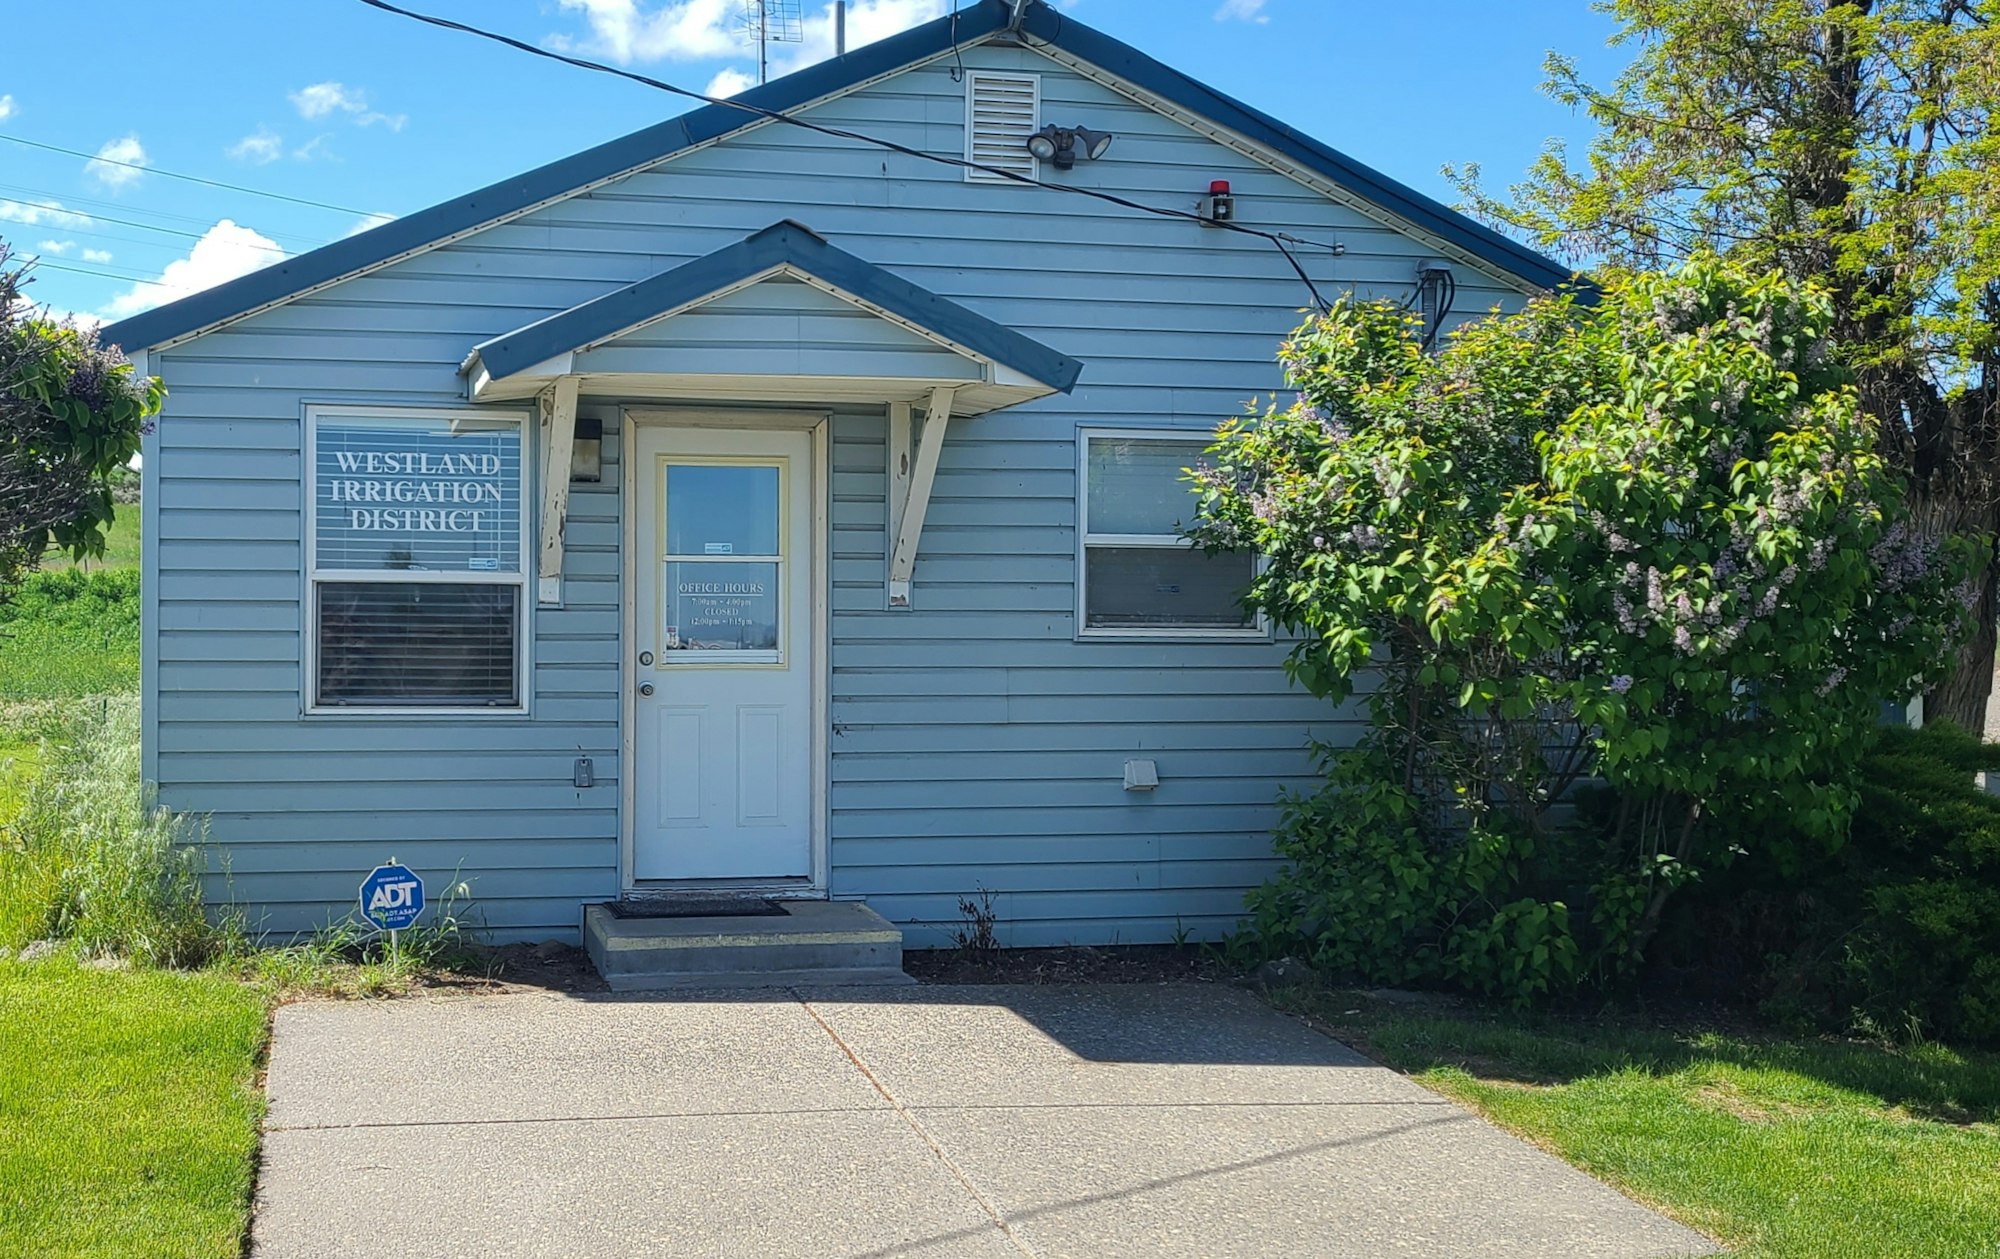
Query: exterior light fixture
1060, 144
586, 459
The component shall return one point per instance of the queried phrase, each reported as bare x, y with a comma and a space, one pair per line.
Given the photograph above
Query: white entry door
723, 782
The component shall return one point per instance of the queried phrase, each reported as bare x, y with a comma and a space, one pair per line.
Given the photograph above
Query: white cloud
692, 30
7, 109
680, 30
322, 100
40, 213
224, 252
97, 255
56, 247
1242, 11
117, 163
260, 148
314, 148
728, 81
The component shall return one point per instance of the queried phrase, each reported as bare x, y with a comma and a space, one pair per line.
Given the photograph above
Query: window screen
1139, 575
417, 560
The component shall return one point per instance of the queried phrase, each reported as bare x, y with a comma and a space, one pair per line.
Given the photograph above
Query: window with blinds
416, 545
1137, 575
1000, 115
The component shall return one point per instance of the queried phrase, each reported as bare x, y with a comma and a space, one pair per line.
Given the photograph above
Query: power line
59, 203
69, 230
37, 263
1278, 239
197, 179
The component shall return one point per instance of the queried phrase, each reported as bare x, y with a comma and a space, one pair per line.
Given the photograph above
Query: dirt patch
1729, 1099
1082, 964
546, 967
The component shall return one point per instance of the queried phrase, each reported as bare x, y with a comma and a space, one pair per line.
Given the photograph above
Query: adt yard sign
392, 897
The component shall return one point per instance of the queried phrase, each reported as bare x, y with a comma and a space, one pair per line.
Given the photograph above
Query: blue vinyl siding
975, 743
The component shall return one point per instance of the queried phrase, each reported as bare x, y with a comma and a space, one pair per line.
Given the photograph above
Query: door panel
723, 783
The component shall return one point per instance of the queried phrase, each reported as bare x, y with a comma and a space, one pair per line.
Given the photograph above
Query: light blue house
736, 505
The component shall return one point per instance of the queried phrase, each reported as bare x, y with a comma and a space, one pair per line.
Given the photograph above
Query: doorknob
645, 688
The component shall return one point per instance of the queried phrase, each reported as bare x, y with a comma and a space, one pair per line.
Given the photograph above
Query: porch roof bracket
558, 413
917, 498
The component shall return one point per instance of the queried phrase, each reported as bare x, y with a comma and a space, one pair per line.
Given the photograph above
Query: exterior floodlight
1061, 144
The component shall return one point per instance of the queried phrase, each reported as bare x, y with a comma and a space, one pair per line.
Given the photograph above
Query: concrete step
814, 942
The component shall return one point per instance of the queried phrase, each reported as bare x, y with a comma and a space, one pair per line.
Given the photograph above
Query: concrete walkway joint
1057, 1122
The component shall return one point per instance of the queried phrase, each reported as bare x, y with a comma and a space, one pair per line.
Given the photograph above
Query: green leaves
1623, 541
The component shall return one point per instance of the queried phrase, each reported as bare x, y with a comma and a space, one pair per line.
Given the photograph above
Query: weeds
87, 858
976, 939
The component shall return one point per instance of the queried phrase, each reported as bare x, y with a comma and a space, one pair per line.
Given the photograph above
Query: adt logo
392, 897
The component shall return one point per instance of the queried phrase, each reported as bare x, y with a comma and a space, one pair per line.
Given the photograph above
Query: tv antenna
770, 22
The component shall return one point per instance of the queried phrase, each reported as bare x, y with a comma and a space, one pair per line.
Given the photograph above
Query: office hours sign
417, 493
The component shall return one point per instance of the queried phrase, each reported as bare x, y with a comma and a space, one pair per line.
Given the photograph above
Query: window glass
418, 643
719, 606
722, 509
1173, 587
1137, 485
417, 494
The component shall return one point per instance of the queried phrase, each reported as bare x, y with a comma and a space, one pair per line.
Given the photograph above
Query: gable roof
1045, 28
784, 247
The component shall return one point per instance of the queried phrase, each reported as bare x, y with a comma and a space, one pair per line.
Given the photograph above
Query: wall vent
1001, 112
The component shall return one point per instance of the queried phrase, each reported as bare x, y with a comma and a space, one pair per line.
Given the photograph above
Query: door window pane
722, 509
417, 644
417, 494
1136, 484
1174, 587
719, 607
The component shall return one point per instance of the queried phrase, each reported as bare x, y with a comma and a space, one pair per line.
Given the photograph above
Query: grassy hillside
71, 632
73, 629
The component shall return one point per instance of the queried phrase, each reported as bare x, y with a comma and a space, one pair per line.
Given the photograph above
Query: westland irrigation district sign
392, 897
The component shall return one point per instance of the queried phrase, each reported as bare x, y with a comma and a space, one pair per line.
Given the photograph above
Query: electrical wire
37, 263
1278, 239
59, 203
196, 179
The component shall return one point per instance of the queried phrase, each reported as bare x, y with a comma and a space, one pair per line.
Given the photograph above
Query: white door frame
818, 423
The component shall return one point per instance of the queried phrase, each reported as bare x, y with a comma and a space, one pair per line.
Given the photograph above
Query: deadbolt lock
645, 657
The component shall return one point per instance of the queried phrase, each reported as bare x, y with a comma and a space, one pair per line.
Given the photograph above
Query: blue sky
330, 101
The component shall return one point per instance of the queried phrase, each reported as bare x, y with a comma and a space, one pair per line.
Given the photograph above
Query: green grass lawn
128, 1112
1779, 1148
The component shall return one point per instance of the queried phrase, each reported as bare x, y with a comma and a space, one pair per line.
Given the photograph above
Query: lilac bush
1645, 541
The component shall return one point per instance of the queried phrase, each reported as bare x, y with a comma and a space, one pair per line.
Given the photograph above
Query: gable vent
1000, 113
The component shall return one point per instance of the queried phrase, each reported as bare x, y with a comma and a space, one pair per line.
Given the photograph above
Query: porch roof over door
780, 316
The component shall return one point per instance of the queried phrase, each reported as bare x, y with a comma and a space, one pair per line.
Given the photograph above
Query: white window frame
1034, 171
1259, 631
315, 575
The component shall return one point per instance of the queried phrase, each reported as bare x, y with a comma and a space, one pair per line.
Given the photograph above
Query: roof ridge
1040, 24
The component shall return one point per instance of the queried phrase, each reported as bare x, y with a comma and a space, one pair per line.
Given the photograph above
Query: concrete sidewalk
1087, 1121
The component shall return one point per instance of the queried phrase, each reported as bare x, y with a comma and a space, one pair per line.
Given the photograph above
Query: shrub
1647, 541
87, 859
1898, 932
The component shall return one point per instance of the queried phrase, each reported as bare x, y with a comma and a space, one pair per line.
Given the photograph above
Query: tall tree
1851, 143
71, 416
